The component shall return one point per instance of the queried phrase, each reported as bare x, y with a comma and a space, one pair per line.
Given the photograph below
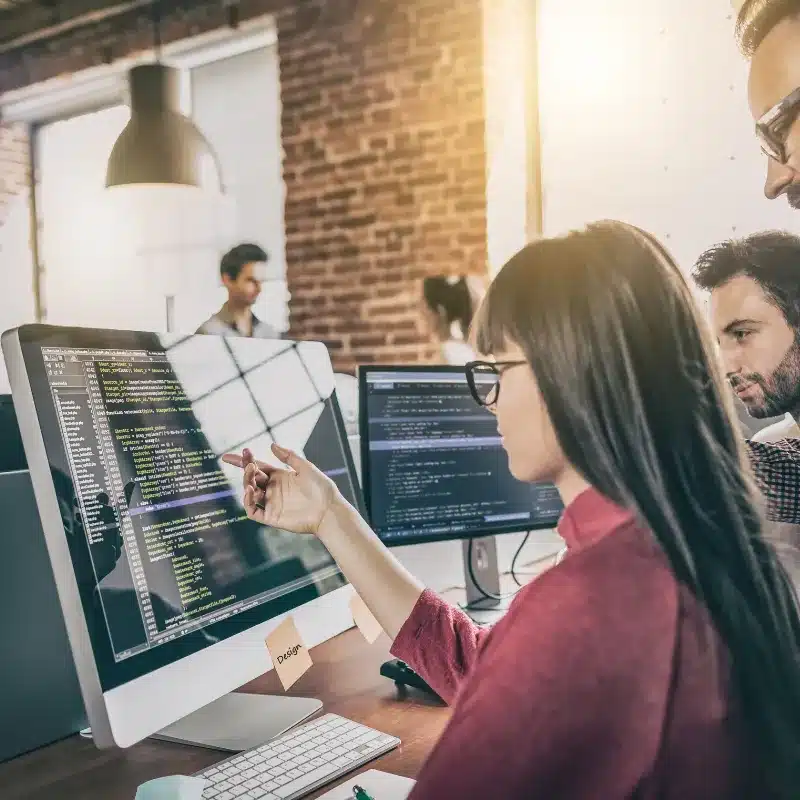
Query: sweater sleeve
547, 711
440, 643
777, 471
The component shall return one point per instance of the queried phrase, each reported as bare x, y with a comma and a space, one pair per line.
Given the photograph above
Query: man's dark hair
771, 259
233, 261
758, 17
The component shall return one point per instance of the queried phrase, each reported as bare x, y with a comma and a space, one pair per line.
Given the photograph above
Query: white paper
379, 785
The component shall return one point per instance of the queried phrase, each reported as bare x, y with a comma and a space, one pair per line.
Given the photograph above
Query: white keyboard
297, 762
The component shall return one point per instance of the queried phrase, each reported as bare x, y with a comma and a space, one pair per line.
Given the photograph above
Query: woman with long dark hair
661, 658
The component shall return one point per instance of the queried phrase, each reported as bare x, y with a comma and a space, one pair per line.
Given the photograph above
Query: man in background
768, 32
242, 273
755, 312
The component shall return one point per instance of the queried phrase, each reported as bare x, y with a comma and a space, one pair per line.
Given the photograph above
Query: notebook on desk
379, 785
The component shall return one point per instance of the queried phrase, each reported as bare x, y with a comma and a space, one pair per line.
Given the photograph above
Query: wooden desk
344, 676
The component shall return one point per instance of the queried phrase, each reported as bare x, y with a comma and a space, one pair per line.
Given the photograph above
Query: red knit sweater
604, 680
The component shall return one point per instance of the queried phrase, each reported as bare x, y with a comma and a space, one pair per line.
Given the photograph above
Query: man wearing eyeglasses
768, 32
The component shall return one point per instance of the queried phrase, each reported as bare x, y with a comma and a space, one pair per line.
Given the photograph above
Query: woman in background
450, 304
661, 659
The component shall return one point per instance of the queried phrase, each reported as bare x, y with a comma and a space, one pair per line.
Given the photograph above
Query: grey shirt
223, 324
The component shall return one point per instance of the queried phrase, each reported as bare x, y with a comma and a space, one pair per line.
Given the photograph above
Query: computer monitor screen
433, 465
133, 425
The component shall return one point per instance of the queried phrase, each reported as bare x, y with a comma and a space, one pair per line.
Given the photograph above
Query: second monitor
434, 468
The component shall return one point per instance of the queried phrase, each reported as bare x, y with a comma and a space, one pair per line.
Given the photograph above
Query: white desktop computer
167, 589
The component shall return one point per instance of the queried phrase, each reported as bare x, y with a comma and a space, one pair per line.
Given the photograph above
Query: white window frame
100, 87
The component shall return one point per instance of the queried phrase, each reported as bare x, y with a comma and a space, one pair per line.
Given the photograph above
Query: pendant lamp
160, 145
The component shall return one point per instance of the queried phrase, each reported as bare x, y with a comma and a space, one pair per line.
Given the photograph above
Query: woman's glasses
483, 378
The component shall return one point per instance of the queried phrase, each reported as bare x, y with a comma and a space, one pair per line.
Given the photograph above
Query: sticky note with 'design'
369, 626
289, 655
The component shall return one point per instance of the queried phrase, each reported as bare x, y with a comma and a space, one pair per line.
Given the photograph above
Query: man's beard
793, 195
781, 390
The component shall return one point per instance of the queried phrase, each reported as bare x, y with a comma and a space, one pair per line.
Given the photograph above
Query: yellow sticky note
289, 655
363, 617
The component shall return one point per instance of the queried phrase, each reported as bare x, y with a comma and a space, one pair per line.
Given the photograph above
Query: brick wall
384, 164
13, 164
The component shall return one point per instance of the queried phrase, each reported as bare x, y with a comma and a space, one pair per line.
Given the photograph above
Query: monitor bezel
21, 464
366, 482
126, 714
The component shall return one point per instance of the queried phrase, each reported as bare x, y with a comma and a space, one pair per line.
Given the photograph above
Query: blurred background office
364, 146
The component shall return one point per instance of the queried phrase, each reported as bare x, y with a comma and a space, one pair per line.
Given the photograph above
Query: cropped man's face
244, 291
760, 350
774, 77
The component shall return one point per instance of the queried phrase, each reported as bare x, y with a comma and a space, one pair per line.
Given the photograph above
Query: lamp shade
160, 145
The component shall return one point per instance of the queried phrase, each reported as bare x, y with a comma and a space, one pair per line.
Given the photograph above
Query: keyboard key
308, 779
294, 773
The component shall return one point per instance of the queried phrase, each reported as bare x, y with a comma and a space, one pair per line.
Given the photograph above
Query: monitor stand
240, 721
484, 610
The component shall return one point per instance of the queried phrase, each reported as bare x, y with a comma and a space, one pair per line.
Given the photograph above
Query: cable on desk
516, 556
513, 573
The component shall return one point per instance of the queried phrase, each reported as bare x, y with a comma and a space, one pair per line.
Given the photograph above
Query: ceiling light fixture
160, 145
